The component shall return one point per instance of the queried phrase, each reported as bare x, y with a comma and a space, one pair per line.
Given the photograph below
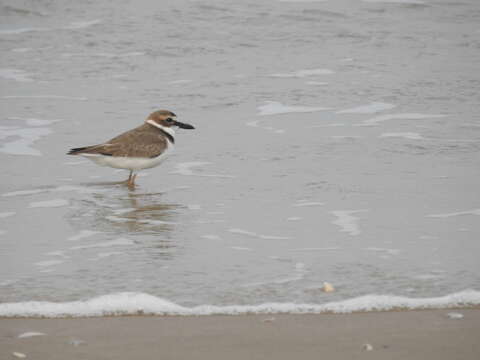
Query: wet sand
428, 334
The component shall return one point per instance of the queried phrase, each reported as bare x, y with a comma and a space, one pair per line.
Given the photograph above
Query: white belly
129, 163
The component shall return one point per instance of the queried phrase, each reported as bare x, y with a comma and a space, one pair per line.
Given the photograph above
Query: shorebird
144, 147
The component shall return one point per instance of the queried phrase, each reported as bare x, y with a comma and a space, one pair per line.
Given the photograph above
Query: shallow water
335, 141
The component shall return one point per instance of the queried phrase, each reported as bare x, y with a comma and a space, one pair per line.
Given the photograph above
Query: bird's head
164, 119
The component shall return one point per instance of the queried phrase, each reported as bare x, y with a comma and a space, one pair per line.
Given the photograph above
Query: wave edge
135, 303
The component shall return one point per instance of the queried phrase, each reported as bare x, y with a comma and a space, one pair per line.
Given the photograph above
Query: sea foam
406, 135
347, 221
274, 108
25, 139
49, 203
458, 213
405, 116
134, 303
371, 108
304, 73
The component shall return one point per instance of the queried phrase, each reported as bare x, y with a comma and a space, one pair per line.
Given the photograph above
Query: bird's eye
169, 120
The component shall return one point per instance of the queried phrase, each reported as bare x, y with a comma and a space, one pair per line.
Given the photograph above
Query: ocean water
335, 141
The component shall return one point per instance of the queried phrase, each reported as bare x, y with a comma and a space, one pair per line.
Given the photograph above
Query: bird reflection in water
145, 217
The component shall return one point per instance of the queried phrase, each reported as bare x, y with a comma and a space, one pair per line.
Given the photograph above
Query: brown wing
133, 143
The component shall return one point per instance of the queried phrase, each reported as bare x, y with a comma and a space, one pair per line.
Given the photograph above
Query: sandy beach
429, 334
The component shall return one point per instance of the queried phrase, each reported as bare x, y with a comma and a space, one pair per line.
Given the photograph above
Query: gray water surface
335, 141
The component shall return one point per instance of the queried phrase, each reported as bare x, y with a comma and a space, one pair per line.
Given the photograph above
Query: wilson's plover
144, 147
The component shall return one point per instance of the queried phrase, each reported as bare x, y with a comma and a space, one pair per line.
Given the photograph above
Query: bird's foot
131, 182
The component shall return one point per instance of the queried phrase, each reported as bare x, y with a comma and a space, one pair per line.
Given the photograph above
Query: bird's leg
131, 180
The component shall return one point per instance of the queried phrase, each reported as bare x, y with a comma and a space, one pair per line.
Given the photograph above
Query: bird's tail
78, 150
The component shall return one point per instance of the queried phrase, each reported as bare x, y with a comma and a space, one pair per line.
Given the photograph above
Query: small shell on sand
19, 355
268, 320
30, 334
367, 347
76, 342
455, 315
327, 287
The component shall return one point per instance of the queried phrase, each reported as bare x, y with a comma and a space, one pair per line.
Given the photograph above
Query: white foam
210, 237
122, 55
186, 169
317, 83
298, 274
343, 137
294, 218
20, 30
253, 123
30, 334
132, 303
308, 203
107, 254
7, 214
24, 192
57, 253
179, 82
274, 108
117, 242
386, 250
240, 248
83, 234
347, 222
21, 50
63, 188
243, 232
76, 25
304, 73
47, 270
23, 145
259, 236
123, 211
459, 213
76, 162
371, 108
194, 207
15, 74
404, 116
47, 263
36, 122
406, 135
49, 203
455, 315
316, 249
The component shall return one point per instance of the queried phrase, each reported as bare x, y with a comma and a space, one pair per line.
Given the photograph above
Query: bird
143, 147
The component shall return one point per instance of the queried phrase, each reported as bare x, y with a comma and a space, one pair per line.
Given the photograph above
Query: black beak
183, 126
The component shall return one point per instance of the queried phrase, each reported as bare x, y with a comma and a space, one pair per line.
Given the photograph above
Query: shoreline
413, 334
135, 303
148, 315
